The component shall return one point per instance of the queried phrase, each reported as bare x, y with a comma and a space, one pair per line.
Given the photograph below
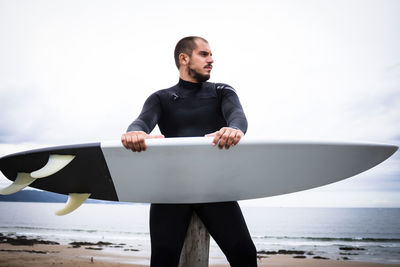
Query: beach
117, 235
42, 255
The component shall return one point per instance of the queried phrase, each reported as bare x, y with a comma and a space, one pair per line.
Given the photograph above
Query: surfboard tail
54, 164
66, 169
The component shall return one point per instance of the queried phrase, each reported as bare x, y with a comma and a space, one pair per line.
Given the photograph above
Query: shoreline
65, 255
23, 251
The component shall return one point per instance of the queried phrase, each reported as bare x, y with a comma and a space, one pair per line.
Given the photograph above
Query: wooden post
196, 248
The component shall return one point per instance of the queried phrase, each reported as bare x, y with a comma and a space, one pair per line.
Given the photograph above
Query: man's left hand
226, 137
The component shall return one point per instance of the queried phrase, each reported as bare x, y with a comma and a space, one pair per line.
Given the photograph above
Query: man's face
200, 63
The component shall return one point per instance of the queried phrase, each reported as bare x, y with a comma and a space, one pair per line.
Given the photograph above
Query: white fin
55, 163
23, 180
75, 200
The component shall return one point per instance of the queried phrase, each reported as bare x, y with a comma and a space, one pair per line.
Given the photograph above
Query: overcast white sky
79, 71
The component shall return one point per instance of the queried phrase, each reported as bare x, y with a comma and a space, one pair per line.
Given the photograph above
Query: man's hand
226, 137
135, 140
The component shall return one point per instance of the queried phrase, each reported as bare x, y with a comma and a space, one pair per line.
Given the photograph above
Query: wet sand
65, 255
21, 251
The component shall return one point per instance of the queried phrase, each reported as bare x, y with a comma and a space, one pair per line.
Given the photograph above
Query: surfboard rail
190, 170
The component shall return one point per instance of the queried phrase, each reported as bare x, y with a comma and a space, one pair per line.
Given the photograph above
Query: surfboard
187, 170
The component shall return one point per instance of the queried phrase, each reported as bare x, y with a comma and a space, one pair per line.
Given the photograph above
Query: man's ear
183, 59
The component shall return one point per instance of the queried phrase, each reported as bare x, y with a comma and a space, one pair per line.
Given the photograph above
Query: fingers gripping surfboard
187, 170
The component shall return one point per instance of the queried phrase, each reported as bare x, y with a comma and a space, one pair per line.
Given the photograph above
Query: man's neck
184, 75
188, 79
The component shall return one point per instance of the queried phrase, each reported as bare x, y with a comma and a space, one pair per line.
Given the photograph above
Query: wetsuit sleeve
149, 116
231, 108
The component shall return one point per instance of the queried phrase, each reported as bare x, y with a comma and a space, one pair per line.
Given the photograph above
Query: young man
194, 107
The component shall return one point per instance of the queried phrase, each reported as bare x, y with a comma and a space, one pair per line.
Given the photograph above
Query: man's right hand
135, 140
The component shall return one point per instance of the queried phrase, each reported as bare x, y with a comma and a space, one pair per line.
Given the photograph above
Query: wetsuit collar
188, 85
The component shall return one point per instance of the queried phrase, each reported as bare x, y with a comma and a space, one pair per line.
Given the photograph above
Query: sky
79, 71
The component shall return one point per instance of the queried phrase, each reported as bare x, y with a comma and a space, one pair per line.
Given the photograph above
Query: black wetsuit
195, 109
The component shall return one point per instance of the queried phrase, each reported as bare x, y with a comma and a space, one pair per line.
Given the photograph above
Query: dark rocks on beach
92, 248
299, 257
90, 245
78, 244
100, 243
320, 258
24, 250
282, 251
24, 241
131, 249
348, 254
265, 252
351, 248
291, 252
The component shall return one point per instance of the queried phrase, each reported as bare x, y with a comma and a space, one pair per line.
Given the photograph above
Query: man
194, 107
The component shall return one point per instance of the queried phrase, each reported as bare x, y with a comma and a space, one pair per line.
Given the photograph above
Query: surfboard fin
23, 180
53, 165
75, 200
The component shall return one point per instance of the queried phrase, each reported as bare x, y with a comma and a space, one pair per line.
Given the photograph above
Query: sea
367, 234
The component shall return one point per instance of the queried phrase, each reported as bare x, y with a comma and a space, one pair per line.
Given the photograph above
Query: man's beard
198, 76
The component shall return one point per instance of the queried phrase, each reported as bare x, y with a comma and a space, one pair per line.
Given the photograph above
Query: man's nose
210, 59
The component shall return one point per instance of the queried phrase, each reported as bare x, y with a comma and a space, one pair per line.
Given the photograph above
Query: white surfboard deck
191, 170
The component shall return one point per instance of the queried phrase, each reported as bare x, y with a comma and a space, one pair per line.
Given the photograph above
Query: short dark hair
186, 45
